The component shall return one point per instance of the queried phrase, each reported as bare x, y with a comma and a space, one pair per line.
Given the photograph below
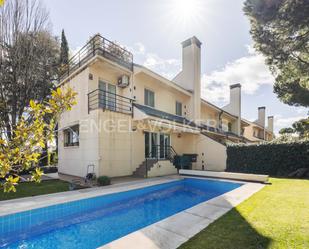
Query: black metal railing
98, 45
99, 99
218, 130
160, 152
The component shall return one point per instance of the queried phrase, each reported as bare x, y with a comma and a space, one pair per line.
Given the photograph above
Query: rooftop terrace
98, 45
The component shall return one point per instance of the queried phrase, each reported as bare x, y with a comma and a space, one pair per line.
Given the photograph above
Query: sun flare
186, 11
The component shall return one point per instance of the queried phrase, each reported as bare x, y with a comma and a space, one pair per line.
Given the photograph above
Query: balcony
98, 45
99, 99
218, 130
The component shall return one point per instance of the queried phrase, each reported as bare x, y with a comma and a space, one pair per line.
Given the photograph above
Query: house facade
131, 120
257, 131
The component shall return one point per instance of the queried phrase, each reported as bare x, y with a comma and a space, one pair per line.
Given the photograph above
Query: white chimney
234, 107
261, 116
270, 125
190, 76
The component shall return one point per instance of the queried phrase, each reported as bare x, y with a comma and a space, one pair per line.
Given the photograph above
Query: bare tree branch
28, 58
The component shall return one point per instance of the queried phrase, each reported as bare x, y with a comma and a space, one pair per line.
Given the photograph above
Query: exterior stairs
141, 170
163, 166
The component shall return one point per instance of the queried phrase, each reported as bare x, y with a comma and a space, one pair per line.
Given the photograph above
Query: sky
153, 32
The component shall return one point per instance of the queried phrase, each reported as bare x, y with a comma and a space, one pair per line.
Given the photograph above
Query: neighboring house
130, 120
257, 131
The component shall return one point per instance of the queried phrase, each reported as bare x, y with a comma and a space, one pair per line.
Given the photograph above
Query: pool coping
165, 234
28, 203
175, 230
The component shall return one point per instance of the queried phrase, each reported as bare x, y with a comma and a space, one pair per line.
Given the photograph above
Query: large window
71, 136
149, 98
178, 108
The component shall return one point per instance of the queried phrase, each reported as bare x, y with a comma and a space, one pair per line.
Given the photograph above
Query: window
229, 125
149, 98
178, 108
71, 136
255, 133
107, 96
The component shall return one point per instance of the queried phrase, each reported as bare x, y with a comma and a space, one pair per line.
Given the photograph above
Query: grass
275, 217
27, 189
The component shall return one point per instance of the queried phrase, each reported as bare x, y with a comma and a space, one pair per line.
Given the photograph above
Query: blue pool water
90, 223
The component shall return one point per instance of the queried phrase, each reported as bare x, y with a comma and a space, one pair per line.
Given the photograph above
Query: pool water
93, 222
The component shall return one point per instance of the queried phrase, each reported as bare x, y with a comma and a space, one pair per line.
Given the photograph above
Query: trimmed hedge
268, 158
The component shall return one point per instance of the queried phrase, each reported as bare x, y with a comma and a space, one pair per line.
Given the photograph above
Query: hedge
269, 158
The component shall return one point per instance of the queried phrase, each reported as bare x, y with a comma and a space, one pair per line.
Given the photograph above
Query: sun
186, 11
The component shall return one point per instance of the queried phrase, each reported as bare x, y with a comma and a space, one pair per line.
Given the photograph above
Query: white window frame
154, 96
178, 103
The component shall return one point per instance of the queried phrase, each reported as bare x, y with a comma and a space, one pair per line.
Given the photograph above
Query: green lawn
275, 217
32, 189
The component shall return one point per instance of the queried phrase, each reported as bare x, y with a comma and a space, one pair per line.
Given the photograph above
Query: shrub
103, 180
276, 159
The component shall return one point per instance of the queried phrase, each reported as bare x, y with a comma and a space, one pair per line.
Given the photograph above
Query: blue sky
153, 31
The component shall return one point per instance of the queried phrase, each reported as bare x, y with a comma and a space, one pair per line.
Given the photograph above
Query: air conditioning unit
123, 81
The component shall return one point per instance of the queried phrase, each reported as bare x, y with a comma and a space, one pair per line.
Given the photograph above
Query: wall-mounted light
90, 76
179, 135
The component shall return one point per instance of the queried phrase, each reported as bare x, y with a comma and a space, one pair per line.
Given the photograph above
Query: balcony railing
218, 130
98, 45
99, 99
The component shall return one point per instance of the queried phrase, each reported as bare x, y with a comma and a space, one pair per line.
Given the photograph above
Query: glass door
151, 145
157, 145
102, 94
112, 97
107, 96
164, 145
167, 145
154, 145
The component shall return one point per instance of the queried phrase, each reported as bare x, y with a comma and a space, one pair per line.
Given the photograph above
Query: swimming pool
93, 222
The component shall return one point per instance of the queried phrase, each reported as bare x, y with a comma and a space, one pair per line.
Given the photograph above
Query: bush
276, 159
103, 180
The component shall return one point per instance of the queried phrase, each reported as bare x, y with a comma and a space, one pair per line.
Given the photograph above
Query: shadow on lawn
231, 231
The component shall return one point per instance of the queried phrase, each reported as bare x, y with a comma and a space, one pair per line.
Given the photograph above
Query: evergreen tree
280, 30
64, 50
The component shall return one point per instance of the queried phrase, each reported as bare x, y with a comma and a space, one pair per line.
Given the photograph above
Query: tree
28, 59
280, 30
64, 50
22, 151
301, 127
288, 130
